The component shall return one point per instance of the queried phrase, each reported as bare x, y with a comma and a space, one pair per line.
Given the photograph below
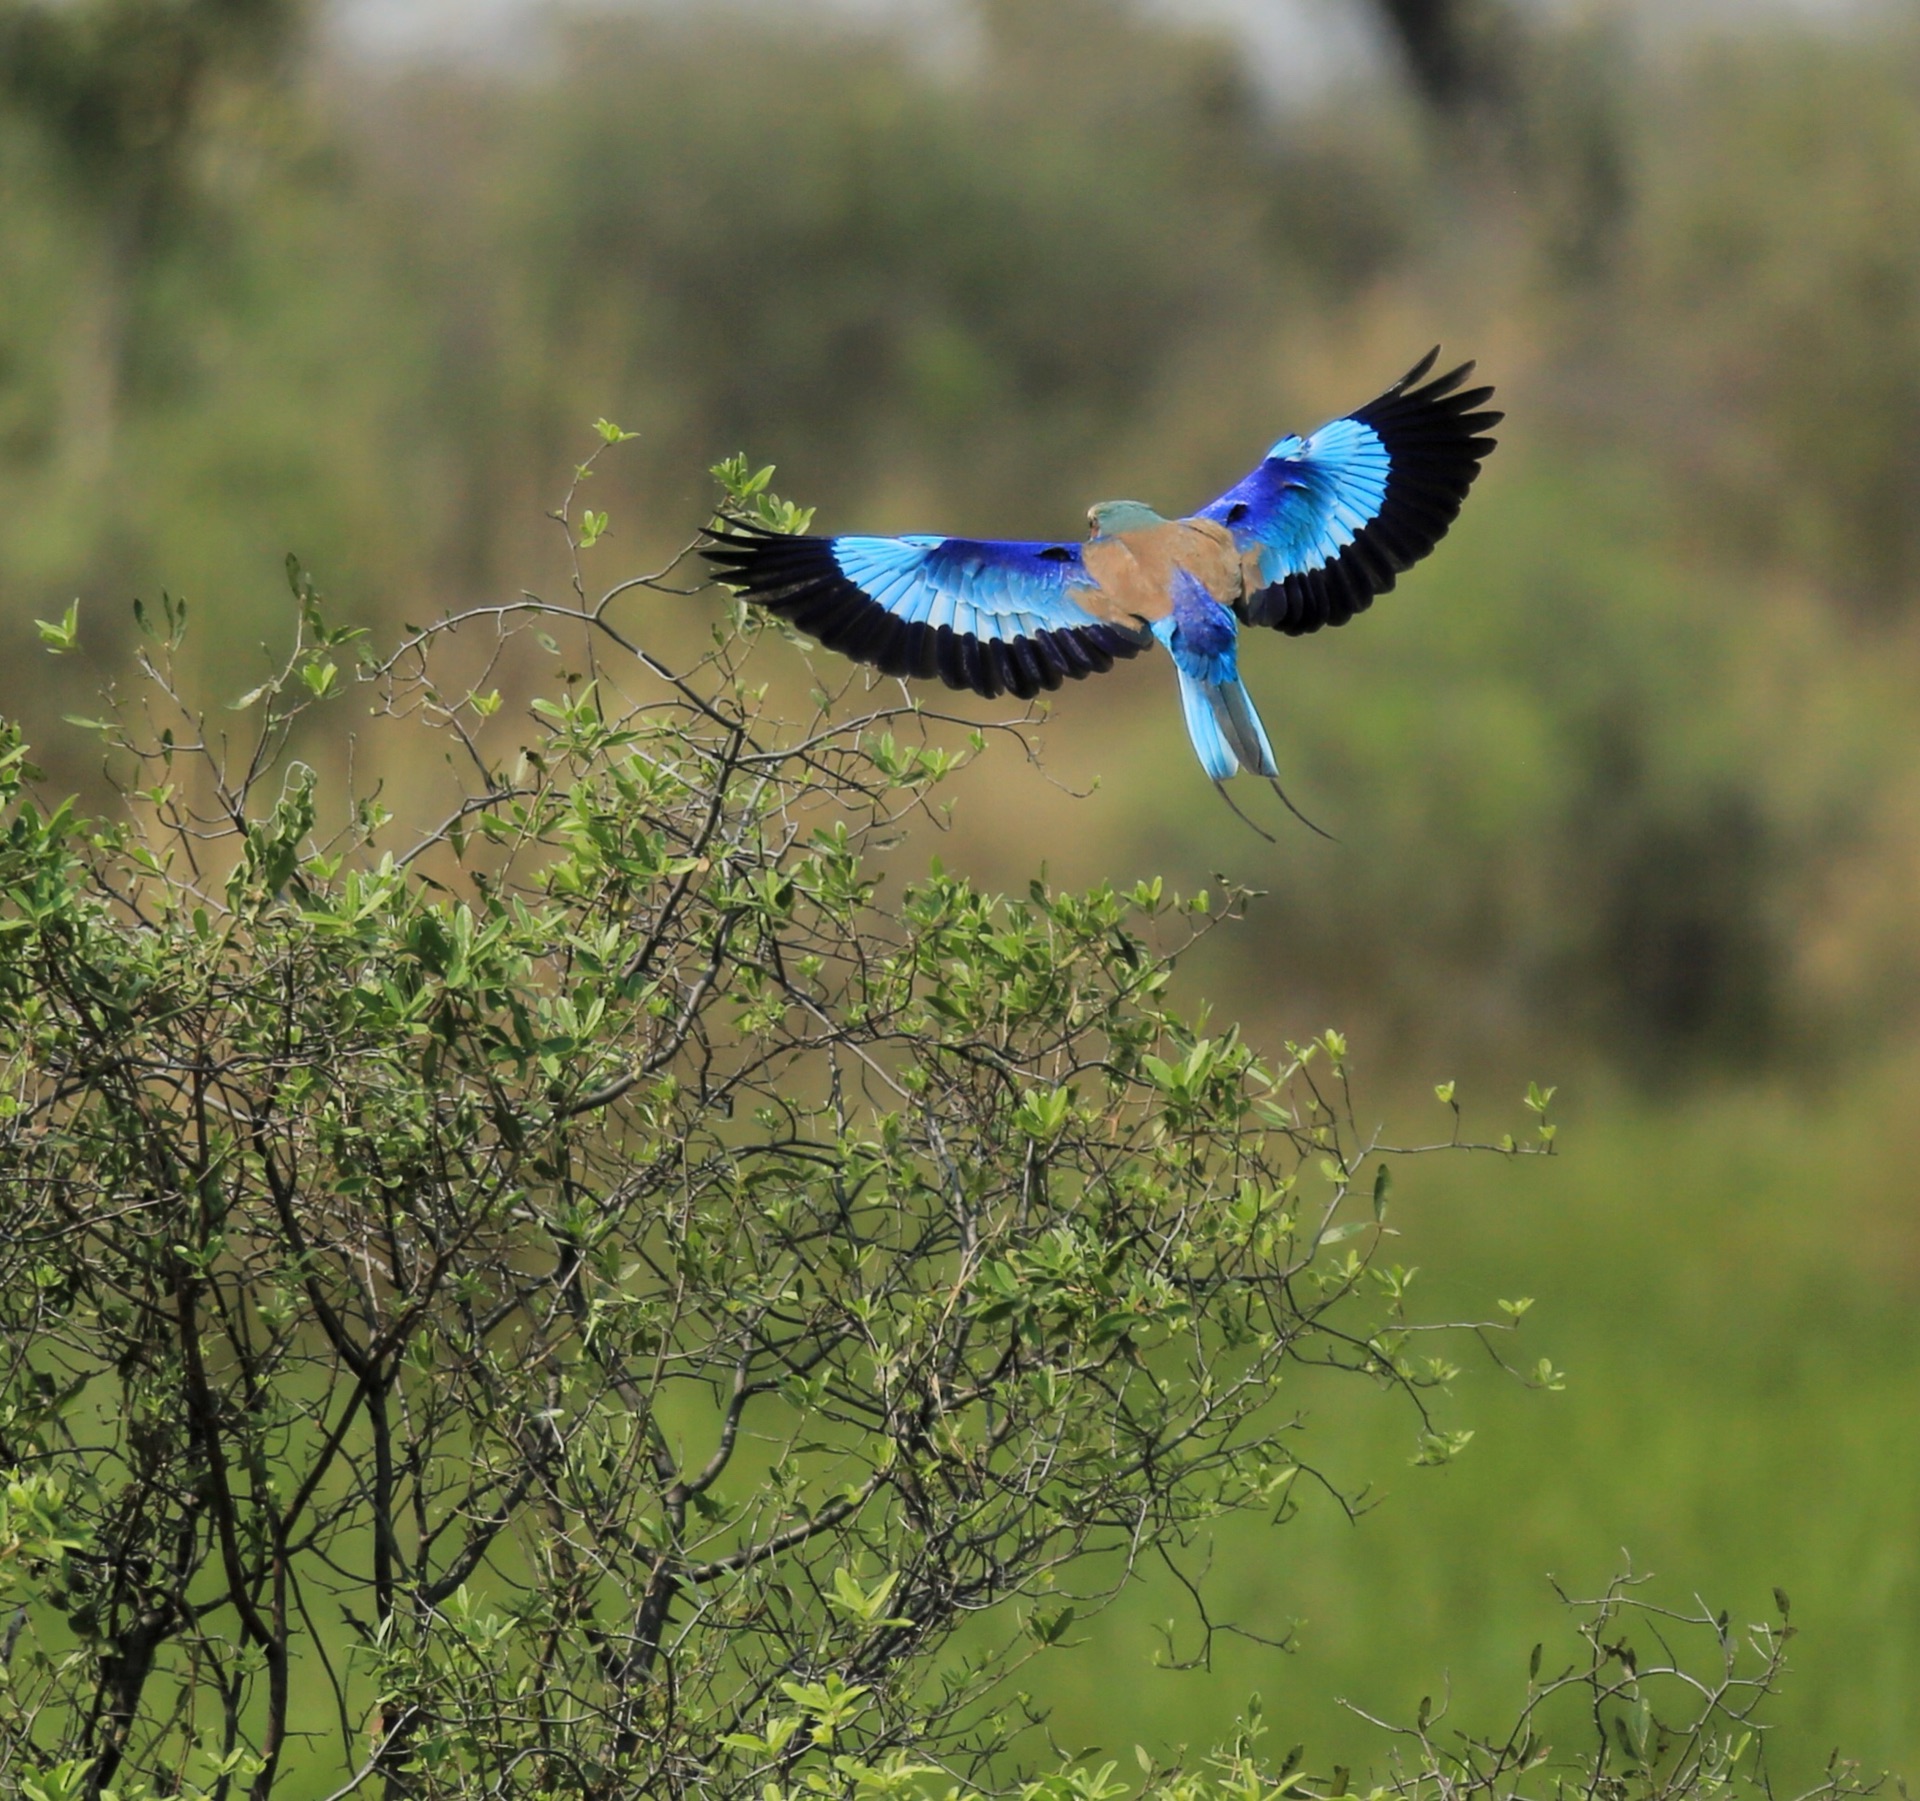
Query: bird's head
1107, 517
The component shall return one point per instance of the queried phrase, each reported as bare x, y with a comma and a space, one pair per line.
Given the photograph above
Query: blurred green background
1625, 777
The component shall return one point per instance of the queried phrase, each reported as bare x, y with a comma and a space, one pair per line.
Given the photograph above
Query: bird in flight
1307, 539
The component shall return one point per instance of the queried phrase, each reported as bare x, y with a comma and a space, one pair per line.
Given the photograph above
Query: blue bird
1307, 539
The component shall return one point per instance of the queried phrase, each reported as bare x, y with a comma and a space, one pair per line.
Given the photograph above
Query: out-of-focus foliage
120, 93
1779, 249
1616, 767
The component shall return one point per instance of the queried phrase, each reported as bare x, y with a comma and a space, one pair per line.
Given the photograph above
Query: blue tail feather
1203, 727
1226, 731
1242, 725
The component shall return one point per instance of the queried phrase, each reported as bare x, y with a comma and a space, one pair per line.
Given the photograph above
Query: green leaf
867, 1607
61, 637
1041, 1115
1048, 1626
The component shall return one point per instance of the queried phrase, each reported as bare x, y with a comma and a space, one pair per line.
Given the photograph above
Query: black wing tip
1440, 385
739, 525
742, 536
1419, 369
1442, 394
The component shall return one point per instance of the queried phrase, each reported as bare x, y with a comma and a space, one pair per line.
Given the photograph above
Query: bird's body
1134, 570
1306, 539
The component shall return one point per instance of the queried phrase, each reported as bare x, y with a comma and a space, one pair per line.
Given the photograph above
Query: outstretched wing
996, 618
1334, 518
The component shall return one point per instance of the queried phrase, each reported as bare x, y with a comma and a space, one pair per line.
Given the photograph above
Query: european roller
1307, 539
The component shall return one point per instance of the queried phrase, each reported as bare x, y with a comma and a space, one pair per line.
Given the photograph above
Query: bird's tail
1226, 732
